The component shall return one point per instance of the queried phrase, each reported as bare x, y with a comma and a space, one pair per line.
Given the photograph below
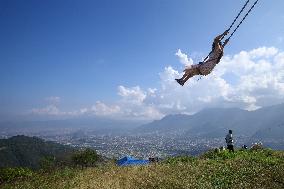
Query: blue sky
82, 51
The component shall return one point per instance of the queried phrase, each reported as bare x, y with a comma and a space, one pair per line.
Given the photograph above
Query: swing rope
242, 20
237, 16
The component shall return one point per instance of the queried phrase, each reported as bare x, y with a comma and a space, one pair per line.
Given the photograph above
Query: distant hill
168, 123
23, 151
214, 122
271, 136
274, 131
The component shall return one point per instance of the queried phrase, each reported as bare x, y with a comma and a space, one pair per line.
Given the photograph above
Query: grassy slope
243, 169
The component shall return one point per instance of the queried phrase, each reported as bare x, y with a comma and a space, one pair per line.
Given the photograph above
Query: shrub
257, 146
85, 158
219, 155
9, 174
47, 163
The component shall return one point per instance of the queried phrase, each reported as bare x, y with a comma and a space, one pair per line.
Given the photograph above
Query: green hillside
23, 151
262, 168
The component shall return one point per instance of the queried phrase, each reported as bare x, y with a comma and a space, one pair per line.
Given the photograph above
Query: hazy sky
67, 58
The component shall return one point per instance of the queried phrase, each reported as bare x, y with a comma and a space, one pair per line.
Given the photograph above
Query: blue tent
127, 160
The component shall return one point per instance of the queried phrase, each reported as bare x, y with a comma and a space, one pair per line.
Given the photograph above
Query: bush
85, 158
47, 163
257, 146
220, 155
9, 174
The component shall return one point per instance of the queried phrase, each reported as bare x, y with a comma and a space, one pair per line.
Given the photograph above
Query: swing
207, 58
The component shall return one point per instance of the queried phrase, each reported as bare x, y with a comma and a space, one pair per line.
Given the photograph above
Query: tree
85, 158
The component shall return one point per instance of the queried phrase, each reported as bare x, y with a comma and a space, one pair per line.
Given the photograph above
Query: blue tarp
131, 161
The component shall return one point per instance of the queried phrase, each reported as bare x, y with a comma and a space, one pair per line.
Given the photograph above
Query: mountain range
267, 122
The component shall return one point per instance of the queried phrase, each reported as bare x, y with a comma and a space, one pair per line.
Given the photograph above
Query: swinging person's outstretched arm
221, 36
225, 43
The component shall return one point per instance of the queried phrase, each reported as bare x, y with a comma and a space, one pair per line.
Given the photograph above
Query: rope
242, 20
237, 16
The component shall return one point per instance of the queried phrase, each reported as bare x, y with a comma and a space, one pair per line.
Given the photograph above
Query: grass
44, 180
242, 169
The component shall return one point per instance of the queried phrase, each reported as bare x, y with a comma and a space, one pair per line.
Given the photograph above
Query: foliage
85, 158
257, 146
58, 178
9, 174
47, 163
23, 151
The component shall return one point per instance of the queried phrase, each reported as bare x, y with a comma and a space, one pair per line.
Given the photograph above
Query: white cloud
134, 94
184, 58
248, 80
103, 110
258, 78
52, 108
48, 110
263, 52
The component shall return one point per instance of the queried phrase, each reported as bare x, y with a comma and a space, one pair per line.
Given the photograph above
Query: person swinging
206, 67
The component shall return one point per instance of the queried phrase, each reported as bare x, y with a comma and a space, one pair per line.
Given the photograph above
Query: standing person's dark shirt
230, 141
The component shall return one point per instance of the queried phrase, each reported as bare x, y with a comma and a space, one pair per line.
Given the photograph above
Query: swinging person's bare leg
186, 78
181, 80
188, 74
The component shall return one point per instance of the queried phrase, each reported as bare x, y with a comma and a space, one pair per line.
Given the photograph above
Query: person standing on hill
229, 141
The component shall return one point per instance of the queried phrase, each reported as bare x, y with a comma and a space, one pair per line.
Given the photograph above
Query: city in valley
146, 145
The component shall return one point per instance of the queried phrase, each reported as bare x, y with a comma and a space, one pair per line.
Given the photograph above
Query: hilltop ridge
259, 168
